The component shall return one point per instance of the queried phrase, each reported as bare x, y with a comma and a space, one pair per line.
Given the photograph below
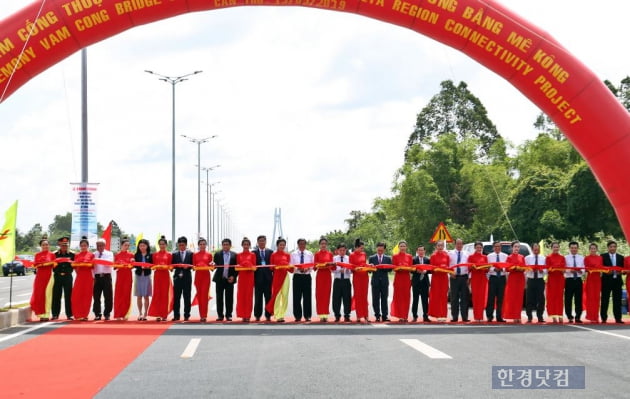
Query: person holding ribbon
535, 290
84, 283
342, 288
496, 283
225, 279
402, 262
479, 281
62, 273
515, 284
44, 261
556, 265
438, 293
459, 282
202, 264
182, 278
380, 282
162, 303
246, 261
360, 280
573, 283
124, 281
302, 282
281, 261
594, 267
103, 280
263, 276
323, 280
612, 283
143, 260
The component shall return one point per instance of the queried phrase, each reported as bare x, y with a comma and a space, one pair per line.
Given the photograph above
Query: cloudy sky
312, 110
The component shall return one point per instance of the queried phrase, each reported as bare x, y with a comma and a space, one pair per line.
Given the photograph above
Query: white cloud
313, 110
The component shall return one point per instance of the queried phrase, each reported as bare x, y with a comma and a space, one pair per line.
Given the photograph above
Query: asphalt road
22, 288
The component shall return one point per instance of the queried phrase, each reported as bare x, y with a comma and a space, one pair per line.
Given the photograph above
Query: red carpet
74, 361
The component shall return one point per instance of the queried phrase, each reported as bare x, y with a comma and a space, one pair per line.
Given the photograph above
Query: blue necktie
498, 271
459, 259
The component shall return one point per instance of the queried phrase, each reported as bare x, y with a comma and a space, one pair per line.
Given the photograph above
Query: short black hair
182, 239
301, 240
574, 243
342, 245
226, 241
381, 244
261, 237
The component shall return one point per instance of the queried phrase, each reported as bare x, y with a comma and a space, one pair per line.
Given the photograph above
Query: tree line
458, 169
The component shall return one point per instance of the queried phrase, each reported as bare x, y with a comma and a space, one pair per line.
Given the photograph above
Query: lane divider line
191, 348
425, 349
28, 330
600, 331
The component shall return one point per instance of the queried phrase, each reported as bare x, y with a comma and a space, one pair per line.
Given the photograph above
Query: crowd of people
495, 282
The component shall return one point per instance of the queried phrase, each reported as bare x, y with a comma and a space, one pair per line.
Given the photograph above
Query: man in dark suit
380, 283
225, 278
420, 286
263, 276
182, 278
611, 283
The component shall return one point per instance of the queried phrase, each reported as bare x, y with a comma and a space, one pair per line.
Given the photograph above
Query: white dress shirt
338, 269
104, 269
463, 258
530, 260
576, 260
492, 258
296, 260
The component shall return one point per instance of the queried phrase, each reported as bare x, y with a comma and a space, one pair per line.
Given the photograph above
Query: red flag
107, 236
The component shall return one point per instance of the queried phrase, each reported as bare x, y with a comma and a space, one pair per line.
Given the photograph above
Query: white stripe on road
27, 294
425, 349
600, 331
191, 348
380, 325
28, 330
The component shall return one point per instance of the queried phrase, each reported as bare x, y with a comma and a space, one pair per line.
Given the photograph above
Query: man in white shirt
342, 288
535, 291
103, 281
459, 282
302, 282
496, 283
573, 283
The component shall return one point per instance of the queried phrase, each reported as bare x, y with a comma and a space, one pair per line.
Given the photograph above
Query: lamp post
214, 203
209, 207
199, 142
173, 80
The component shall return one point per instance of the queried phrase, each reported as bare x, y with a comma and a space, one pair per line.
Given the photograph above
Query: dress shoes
501, 321
229, 318
378, 319
220, 318
386, 320
97, 318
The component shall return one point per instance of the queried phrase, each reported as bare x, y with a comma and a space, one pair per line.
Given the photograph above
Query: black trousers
62, 284
535, 295
261, 291
573, 291
302, 296
103, 286
420, 289
459, 297
380, 292
182, 286
225, 291
342, 292
496, 289
610, 285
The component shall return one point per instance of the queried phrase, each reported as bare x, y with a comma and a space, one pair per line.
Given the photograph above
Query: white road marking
600, 331
425, 349
380, 325
27, 294
191, 348
28, 330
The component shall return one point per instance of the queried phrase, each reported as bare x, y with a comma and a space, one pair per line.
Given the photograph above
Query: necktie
262, 257
342, 273
226, 262
99, 255
574, 265
612, 262
380, 259
183, 256
459, 259
498, 271
302, 258
536, 263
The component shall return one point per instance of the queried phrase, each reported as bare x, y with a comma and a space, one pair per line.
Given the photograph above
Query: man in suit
182, 278
380, 283
263, 276
420, 286
225, 278
611, 283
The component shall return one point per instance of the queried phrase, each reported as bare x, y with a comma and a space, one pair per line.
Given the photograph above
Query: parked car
13, 267
506, 248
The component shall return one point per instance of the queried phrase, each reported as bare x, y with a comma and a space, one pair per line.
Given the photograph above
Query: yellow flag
395, 250
541, 244
138, 238
7, 235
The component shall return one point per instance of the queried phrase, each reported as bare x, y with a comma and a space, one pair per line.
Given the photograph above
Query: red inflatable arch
577, 101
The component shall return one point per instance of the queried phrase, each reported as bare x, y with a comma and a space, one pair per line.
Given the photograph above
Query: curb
14, 317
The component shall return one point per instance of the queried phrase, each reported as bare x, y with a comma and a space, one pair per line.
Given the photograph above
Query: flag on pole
7, 234
395, 250
138, 238
541, 244
107, 236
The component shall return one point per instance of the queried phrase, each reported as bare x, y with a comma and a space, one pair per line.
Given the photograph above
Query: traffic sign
441, 234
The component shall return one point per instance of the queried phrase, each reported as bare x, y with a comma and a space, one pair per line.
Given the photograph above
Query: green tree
622, 92
454, 110
61, 226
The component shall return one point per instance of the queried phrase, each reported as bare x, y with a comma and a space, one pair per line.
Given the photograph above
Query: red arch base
577, 101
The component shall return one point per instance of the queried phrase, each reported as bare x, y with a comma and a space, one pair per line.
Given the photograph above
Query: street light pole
199, 142
209, 207
173, 80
